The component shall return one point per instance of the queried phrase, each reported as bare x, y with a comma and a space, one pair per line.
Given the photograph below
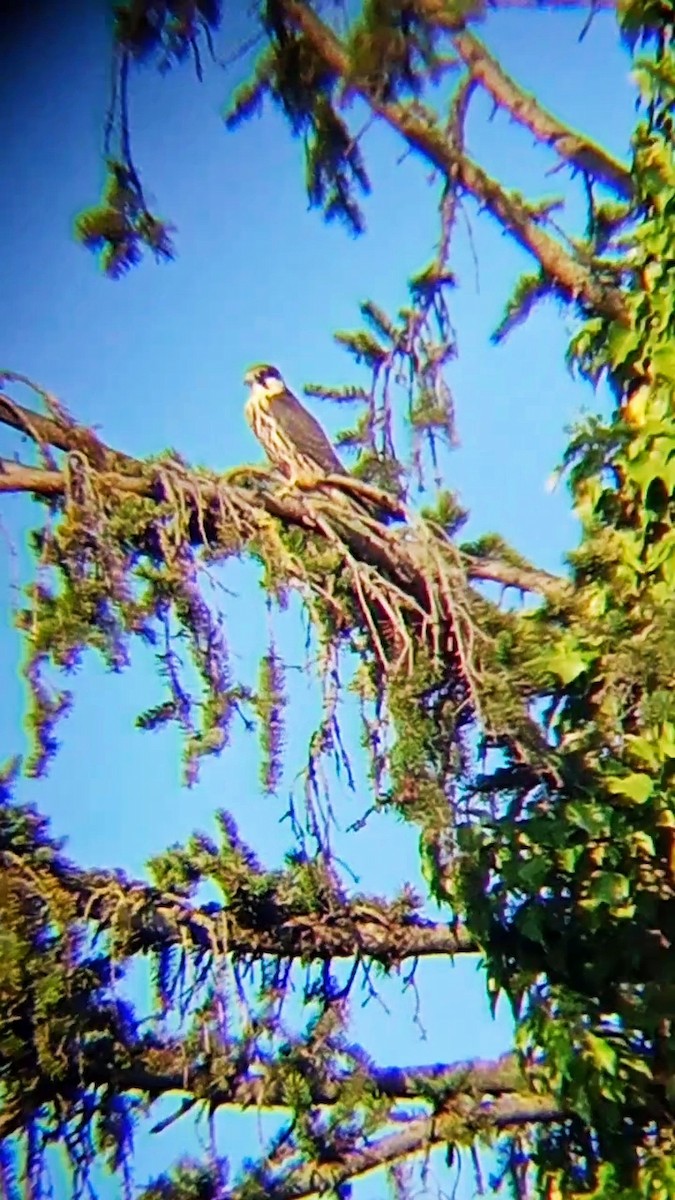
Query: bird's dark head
264, 379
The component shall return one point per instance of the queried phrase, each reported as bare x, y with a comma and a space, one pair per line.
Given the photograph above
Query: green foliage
122, 225
446, 512
527, 294
188, 1180
119, 227
270, 707
97, 590
573, 900
406, 357
58, 1004
165, 33
299, 84
67, 1039
393, 49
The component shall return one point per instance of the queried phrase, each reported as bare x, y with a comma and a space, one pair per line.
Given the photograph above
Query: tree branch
525, 579
573, 147
50, 432
20, 477
572, 279
416, 1137
155, 920
438, 1084
474, 1093
412, 584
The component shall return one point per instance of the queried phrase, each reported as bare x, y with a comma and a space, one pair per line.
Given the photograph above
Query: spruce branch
122, 473
366, 927
17, 477
569, 276
570, 145
417, 1137
468, 1098
438, 1083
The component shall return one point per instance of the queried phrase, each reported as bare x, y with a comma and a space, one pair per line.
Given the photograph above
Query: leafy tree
533, 749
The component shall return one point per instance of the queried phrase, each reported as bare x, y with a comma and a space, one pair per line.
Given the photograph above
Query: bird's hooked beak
264, 381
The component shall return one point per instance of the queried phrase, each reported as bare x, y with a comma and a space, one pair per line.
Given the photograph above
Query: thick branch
475, 1093
572, 279
20, 477
410, 583
573, 147
525, 579
369, 929
49, 432
439, 1083
416, 1137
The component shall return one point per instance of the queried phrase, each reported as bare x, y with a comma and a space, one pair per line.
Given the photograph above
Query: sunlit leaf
636, 787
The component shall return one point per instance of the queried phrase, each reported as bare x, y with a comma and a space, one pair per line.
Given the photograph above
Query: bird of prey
290, 436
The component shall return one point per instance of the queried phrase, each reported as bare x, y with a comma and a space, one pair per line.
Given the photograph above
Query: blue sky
157, 359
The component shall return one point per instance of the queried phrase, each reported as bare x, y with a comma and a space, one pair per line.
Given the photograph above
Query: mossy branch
16, 477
